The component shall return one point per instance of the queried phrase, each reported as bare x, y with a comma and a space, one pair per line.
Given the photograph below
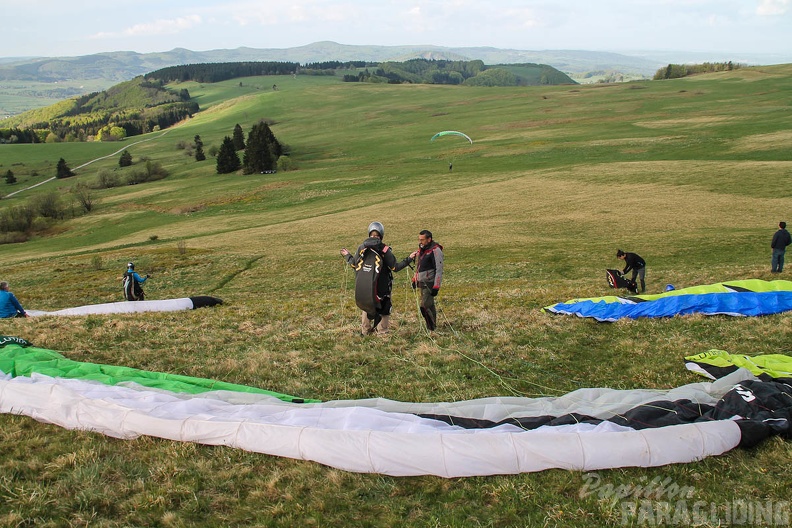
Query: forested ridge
147, 104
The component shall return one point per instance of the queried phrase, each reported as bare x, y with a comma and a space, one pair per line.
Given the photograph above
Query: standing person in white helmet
132, 282
374, 263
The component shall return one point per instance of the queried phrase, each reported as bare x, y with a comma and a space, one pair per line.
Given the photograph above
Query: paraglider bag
617, 280
132, 289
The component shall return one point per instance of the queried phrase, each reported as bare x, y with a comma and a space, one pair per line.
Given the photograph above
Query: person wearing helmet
373, 280
132, 282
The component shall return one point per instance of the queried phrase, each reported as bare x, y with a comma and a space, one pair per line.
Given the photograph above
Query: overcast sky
64, 28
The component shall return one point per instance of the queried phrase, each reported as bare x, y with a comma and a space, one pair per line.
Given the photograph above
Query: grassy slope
693, 174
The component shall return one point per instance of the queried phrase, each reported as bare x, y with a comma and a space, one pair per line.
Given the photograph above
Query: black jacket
633, 262
781, 239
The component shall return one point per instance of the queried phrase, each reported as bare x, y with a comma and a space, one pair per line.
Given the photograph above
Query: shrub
49, 205
107, 179
285, 163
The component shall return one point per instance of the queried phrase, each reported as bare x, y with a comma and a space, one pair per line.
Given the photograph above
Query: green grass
693, 174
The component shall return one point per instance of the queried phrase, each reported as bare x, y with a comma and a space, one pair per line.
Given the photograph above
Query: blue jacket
9, 306
137, 277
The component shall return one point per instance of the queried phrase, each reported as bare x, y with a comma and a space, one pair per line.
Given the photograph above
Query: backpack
617, 280
132, 289
368, 275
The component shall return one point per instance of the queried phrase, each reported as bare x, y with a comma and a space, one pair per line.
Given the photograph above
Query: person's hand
147, 275
413, 255
435, 291
344, 252
26, 314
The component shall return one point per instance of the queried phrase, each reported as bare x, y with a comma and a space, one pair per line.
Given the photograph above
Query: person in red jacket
428, 275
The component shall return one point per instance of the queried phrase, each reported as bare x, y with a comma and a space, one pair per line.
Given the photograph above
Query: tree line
221, 71
457, 72
676, 71
128, 109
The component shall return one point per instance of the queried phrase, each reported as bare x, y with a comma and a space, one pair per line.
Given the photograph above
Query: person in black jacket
633, 263
781, 239
428, 275
384, 283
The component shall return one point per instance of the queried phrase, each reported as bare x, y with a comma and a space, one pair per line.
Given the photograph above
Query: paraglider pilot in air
374, 263
132, 282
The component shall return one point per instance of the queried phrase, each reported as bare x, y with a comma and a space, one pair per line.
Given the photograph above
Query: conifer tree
227, 158
259, 153
125, 160
239, 138
199, 153
63, 170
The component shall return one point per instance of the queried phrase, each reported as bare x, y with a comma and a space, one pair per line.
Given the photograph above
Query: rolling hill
39, 81
693, 174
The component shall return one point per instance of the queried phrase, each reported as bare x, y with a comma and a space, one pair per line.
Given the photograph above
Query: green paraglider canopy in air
451, 133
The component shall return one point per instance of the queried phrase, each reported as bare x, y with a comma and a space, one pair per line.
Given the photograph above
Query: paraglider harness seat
368, 270
133, 291
617, 280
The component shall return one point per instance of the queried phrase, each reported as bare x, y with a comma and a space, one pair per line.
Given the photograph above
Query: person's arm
350, 257
438, 256
404, 263
628, 264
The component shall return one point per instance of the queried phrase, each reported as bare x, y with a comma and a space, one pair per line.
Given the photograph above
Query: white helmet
378, 227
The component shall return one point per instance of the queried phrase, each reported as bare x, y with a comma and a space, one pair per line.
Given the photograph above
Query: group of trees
128, 109
423, 71
676, 71
18, 135
470, 73
261, 151
221, 71
20, 222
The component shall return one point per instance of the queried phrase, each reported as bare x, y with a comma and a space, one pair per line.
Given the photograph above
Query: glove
147, 276
435, 291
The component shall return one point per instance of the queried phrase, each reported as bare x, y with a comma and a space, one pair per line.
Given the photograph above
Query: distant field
20, 96
693, 174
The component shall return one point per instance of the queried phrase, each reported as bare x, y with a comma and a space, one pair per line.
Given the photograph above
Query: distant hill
35, 82
124, 65
146, 103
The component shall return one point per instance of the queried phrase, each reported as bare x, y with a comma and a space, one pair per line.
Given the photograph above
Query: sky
63, 29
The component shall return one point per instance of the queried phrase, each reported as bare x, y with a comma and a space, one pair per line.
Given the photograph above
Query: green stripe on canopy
20, 359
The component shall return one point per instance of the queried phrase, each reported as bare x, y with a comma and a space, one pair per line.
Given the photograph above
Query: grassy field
693, 174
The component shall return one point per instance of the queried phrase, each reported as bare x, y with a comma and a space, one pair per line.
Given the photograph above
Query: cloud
157, 27
163, 27
772, 7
